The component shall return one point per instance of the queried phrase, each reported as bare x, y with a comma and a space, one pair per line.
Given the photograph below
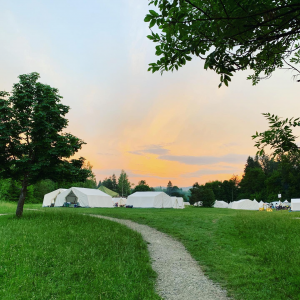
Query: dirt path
179, 275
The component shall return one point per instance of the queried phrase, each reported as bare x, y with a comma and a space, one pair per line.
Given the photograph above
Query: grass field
59, 255
254, 255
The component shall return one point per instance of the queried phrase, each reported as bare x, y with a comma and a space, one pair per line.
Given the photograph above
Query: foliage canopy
230, 35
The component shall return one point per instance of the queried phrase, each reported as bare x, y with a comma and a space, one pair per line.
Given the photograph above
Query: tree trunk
22, 197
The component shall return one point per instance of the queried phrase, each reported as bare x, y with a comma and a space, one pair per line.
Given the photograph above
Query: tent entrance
72, 198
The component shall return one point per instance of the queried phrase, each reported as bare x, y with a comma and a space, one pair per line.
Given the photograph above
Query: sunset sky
177, 127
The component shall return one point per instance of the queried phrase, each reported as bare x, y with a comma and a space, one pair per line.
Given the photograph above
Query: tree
169, 187
229, 35
32, 144
89, 167
142, 187
123, 184
279, 137
253, 183
107, 182
114, 183
207, 197
203, 194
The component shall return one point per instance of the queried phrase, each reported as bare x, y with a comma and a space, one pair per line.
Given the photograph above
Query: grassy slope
253, 254
58, 255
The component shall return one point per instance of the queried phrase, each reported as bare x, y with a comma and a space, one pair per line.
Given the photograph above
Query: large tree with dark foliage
203, 194
142, 187
229, 35
33, 145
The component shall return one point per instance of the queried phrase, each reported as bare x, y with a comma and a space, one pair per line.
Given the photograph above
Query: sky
179, 126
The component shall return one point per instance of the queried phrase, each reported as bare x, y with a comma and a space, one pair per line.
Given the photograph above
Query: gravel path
179, 275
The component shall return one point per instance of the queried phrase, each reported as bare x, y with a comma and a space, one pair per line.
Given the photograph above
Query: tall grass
59, 255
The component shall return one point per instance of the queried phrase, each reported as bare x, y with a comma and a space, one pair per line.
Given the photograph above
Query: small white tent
84, 197
51, 197
177, 202
295, 204
260, 204
221, 204
186, 203
149, 199
245, 204
120, 201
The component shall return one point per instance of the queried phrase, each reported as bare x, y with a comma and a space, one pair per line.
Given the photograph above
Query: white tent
260, 204
149, 199
84, 197
51, 197
177, 202
245, 204
286, 203
230, 204
120, 201
295, 204
186, 203
221, 204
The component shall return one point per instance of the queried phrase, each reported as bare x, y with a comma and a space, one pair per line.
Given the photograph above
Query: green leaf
152, 23
147, 18
154, 13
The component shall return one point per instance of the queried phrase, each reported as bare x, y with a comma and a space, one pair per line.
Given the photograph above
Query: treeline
263, 179
82, 175
124, 187
10, 189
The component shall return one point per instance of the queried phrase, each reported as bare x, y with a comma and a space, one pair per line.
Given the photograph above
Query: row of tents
84, 197
247, 204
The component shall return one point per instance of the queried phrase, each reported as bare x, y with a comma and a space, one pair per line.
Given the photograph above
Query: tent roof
146, 194
107, 191
90, 191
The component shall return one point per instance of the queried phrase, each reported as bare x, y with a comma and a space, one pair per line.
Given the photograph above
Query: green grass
254, 255
52, 254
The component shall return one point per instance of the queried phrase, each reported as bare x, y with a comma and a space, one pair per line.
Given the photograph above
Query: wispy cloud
151, 149
202, 172
206, 160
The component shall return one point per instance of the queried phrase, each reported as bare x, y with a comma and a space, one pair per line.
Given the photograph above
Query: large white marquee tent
245, 204
149, 200
177, 202
84, 197
295, 204
220, 204
51, 197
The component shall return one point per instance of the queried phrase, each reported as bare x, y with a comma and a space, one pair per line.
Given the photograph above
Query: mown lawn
254, 255
52, 254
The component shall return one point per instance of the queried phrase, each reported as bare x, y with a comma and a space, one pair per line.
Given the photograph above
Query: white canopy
221, 204
230, 204
149, 199
186, 203
177, 202
245, 204
295, 204
51, 197
84, 198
